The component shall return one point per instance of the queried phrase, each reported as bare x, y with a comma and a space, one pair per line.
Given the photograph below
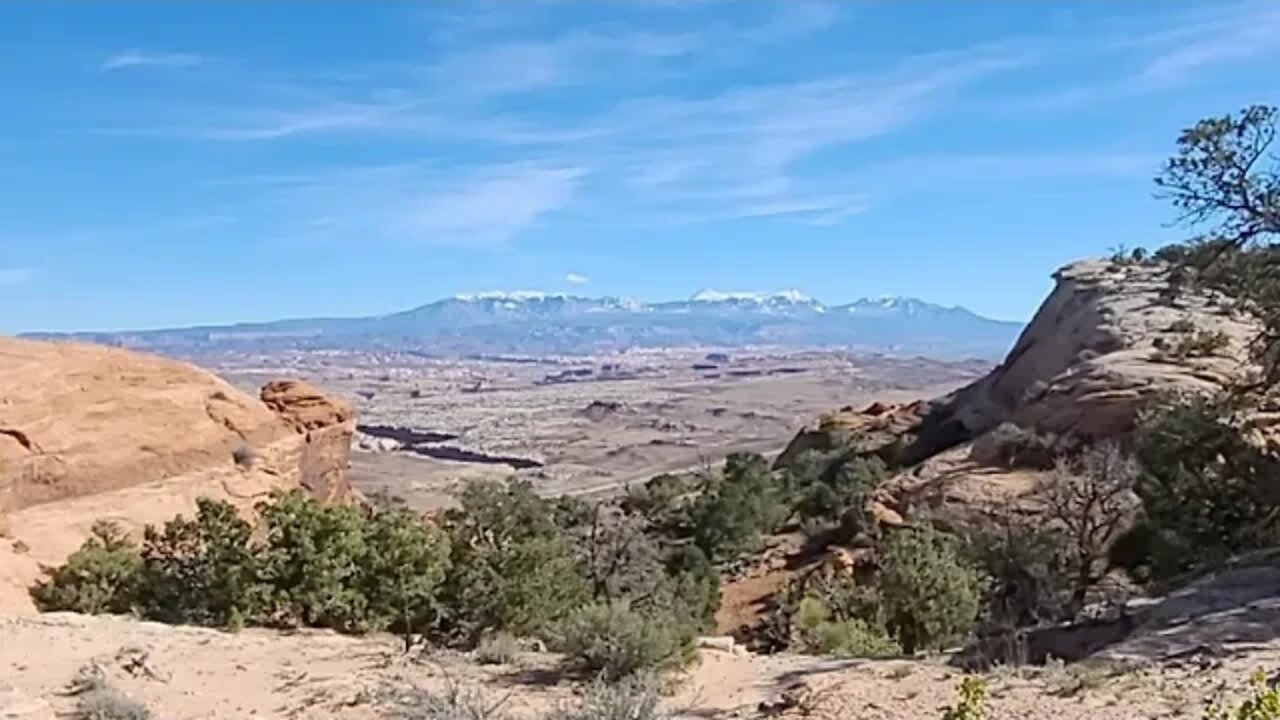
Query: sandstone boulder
89, 432
327, 426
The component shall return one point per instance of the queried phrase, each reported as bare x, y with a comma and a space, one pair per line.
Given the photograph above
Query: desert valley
268, 450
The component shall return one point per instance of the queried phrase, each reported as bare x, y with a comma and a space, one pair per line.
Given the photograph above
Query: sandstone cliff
91, 432
1104, 342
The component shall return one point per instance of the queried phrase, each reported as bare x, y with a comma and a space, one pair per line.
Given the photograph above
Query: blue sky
167, 164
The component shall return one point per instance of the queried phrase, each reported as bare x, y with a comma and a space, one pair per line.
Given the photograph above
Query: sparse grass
1086, 677
1263, 702
1201, 343
500, 648
98, 699
636, 698
615, 642
453, 703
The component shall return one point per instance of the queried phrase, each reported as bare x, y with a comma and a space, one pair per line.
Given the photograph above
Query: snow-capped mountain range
528, 322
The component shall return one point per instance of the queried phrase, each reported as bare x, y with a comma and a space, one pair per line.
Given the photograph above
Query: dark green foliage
660, 501
735, 507
929, 595
403, 570
311, 562
515, 567
338, 567
1207, 491
817, 632
615, 641
201, 571
693, 585
315, 564
1225, 172
841, 487
1029, 575
101, 577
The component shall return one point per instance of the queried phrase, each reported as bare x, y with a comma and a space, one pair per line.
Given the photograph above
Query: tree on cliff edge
1225, 177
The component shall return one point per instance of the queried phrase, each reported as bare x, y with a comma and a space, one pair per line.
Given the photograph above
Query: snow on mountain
888, 305
530, 322
788, 296
508, 295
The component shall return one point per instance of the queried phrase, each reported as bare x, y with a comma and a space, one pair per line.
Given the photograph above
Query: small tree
1226, 176
1029, 571
735, 507
817, 632
1092, 498
310, 562
200, 571
402, 572
101, 577
693, 585
1207, 490
841, 486
616, 641
513, 566
930, 595
620, 560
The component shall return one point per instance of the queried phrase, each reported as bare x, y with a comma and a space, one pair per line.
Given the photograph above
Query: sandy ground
190, 673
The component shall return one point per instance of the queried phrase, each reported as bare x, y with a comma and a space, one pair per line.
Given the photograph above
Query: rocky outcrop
326, 425
90, 432
1102, 345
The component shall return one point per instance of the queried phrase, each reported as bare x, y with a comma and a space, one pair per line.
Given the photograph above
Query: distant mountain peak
531, 322
787, 296
509, 295
897, 305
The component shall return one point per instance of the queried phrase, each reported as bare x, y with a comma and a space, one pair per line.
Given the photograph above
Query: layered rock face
1097, 348
326, 426
1103, 344
90, 432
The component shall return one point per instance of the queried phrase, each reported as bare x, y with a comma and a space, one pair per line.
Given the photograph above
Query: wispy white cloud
654, 152
485, 207
144, 59
1161, 56
12, 277
490, 208
1236, 37
795, 18
525, 66
576, 279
